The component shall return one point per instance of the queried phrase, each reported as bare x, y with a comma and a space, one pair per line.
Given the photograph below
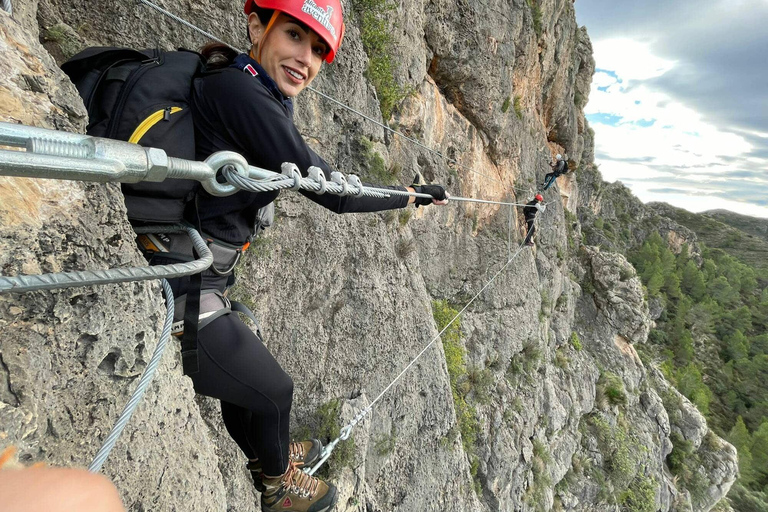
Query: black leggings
531, 230
255, 393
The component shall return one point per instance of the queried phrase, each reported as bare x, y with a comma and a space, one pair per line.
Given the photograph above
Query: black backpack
142, 97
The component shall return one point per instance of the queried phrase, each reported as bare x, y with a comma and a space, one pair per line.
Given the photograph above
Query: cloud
611, 55
679, 99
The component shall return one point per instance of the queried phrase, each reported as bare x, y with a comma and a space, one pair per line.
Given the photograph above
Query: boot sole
333, 502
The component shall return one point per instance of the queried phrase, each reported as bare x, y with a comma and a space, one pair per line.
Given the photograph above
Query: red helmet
539, 197
327, 22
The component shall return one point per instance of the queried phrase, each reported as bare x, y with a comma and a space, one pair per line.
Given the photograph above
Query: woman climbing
530, 210
245, 105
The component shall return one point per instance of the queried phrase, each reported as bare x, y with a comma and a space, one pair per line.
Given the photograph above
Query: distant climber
559, 167
530, 210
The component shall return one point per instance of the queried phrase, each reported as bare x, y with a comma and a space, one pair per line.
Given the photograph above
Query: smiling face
291, 53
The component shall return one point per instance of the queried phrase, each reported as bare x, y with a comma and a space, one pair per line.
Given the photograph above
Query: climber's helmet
327, 22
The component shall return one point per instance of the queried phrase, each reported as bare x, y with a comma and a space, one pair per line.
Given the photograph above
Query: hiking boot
529, 244
303, 453
296, 491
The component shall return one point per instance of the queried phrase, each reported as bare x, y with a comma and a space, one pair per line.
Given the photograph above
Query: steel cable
347, 429
144, 381
58, 280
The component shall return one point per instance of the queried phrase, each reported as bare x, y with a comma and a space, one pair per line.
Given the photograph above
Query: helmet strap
272, 20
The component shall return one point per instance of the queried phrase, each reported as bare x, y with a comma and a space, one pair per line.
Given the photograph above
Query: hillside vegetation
744, 238
711, 342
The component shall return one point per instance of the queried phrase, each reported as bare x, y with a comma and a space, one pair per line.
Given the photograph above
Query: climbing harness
346, 431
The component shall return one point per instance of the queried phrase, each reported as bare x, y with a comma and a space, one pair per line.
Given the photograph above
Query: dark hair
264, 16
218, 55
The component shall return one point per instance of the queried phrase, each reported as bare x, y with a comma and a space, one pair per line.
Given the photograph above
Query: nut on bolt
157, 164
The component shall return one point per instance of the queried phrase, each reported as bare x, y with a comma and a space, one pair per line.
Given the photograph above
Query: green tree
731, 321
760, 453
736, 347
740, 438
701, 318
722, 291
672, 286
759, 345
692, 281
691, 384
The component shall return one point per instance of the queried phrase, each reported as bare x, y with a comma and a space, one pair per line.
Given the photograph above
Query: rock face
536, 416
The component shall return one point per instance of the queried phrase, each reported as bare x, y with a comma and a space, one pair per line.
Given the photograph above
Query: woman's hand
438, 193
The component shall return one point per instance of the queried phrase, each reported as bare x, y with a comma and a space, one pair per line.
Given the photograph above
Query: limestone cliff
564, 415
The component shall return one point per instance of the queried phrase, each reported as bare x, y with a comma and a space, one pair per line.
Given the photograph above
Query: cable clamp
317, 175
345, 432
340, 180
355, 183
292, 171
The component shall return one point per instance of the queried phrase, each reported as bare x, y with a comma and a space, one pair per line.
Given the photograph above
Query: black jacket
560, 167
530, 210
236, 111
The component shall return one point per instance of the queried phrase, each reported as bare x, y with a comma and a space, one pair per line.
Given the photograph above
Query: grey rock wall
346, 301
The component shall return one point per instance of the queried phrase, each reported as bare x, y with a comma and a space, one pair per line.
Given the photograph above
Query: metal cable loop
57, 280
144, 381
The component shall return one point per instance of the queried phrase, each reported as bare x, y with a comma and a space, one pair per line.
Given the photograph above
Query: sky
679, 100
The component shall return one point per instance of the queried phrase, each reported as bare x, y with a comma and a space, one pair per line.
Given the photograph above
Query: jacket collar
245, 63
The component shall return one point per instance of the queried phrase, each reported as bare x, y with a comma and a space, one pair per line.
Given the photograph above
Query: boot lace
296, 451
300, 483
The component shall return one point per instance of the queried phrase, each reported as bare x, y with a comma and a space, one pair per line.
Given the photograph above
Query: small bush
518, 107
536, 15
625, 274
376, 170
385, 444
466, 415
404, 216
611, 389
575, 341
328, 428
546, 303
481, 384
378, 44
505, 105
640, 496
